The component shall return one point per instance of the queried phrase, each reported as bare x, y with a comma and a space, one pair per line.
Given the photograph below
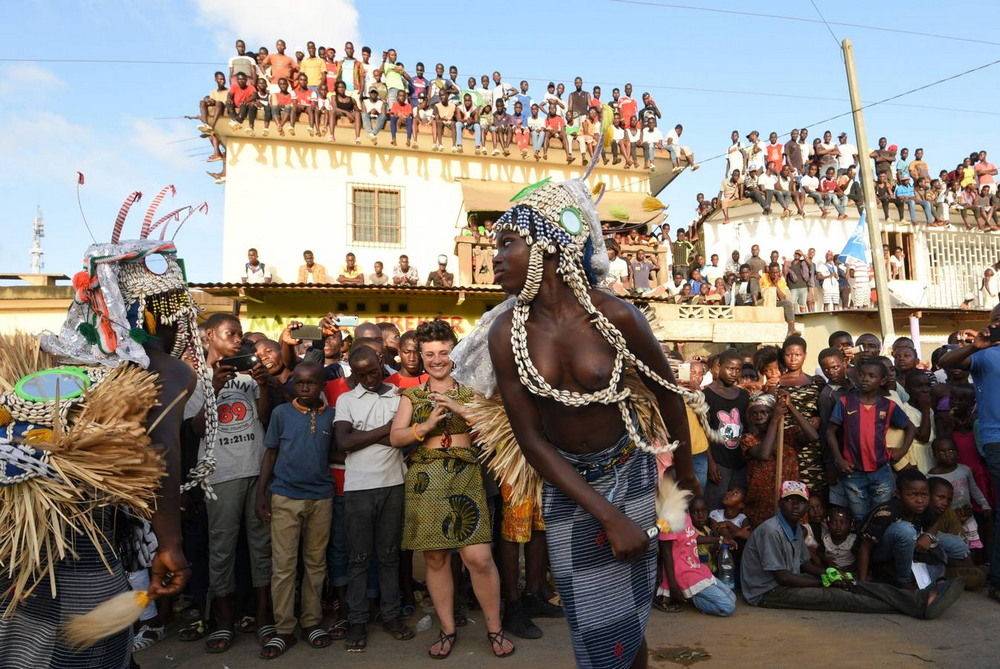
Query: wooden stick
778, 458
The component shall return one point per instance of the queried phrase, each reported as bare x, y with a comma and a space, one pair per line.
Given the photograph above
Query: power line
801, 19
823, 18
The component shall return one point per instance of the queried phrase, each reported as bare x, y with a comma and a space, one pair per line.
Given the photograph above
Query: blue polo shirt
985, 365
526, 103
904, 191
302, 470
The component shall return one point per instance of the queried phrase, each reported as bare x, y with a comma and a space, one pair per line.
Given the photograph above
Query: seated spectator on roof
378, 277
403, 274
441, 277
311, 271
350, 272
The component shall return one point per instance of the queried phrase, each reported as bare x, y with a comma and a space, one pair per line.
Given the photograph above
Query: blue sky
120, 123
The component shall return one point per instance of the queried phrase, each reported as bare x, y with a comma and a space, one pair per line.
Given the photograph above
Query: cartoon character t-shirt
727, 416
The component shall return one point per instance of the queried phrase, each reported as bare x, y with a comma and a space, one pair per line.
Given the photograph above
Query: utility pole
871, 202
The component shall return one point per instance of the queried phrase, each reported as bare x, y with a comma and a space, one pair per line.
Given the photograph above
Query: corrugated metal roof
342, 288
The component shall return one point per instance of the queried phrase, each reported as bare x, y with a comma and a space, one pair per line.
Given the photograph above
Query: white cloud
19, 76
262, 22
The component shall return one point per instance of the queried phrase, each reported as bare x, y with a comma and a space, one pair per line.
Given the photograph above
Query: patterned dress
760, 478
810, 455
445, 500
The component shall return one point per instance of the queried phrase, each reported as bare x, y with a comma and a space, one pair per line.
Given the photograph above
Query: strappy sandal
278, 644
398, 630
266, 633
194, 631
497, 639
356, 640
147, 637
443, 639
226, 638
317, 638
339, 629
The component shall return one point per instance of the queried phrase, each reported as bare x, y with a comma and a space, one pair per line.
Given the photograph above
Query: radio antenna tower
38, 228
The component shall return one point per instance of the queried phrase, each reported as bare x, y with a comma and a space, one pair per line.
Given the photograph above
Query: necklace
445, 433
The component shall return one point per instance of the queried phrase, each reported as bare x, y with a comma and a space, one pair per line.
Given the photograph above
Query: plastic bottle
727, 567
424, 624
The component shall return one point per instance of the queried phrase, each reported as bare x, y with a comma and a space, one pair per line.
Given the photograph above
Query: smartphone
308, 332
995, 333
854, 350
684, 372
242, 363
348, 321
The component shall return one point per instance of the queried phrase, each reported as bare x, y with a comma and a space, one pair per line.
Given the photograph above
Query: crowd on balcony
273, 91
403, 274
790, 174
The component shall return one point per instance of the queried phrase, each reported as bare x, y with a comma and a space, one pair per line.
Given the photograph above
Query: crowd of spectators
366, 96
319, 438
789, 174
350, 273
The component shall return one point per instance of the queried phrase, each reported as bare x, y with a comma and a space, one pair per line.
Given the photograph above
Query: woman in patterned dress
445, 505
804, 395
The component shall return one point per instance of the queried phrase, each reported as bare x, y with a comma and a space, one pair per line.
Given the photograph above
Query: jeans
476, 132
928, 212
409, 127
701, 468
899, 542
672, 149
911, 205
865, 597
336, 549
715, 600
379, 123
866, 490
991, 453
374, 526
839, 202
648, 148
783, 197
760, 198
537, 140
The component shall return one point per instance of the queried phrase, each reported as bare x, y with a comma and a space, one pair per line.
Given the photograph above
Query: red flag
79, 178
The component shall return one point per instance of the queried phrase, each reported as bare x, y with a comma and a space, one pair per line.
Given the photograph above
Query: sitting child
892, 533
708, 542
942, 495
838, 540
814, 524
964, 485
730, 521
686, 578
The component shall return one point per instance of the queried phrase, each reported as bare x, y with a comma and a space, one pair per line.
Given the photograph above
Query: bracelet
416, 435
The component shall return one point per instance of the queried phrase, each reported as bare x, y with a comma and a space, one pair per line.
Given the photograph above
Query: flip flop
226, 638
194, 631
318, 638
339, 629
266, 633
278, 644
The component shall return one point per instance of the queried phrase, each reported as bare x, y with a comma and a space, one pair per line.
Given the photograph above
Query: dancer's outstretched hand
170, 572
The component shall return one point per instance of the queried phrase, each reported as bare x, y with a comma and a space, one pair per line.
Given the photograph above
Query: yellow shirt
699, 441
314, 69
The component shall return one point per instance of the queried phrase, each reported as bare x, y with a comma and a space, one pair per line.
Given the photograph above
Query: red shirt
627, 108
774, 156
242, 95
404, 382
556, 123
827, 185
401, 110
304, 97
283, 99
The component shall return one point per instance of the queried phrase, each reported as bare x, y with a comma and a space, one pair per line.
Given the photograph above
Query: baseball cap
904, 177
791, 488
843, 134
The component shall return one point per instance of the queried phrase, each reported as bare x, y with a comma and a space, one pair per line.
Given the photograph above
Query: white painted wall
285, 195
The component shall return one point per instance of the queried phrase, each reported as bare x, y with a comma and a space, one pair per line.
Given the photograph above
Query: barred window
376, 215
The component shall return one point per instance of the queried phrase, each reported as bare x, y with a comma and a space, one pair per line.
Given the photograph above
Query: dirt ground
964, 637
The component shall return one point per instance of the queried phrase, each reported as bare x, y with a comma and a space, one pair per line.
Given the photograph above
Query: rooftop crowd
365, 96
324, 460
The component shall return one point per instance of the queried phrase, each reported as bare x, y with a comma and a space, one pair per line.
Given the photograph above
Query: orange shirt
404, 382
281, 66
242, 95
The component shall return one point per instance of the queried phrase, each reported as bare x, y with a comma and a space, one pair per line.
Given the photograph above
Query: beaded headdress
125, 291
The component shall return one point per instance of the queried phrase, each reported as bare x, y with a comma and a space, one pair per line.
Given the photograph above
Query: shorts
799, 296
521, 519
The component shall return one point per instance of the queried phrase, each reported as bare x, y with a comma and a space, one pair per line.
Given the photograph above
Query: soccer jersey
864, 427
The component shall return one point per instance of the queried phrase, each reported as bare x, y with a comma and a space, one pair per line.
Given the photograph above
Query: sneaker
234, 124
265, 133
221, 181
537, 607
454, 149
518, 623
496, 152
249, 131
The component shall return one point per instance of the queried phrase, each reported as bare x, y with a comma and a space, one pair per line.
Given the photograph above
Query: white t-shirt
617, 271
256, 275
674, 139
378, 465
712, 272
735, 157
767, 181
806, 148
239, 444
673, 289
719, 516
846, 158
812, 183
651, 136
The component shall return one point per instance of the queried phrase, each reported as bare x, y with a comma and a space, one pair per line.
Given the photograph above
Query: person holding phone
243, 410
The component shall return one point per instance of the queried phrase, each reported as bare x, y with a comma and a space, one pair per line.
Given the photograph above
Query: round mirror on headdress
156, 264
63, 383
